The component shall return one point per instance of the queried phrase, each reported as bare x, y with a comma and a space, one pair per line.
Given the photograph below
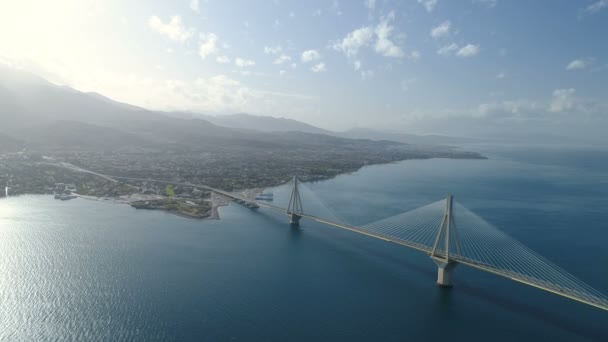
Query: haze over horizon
468, 68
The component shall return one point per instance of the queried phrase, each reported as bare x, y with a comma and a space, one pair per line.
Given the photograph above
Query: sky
464, 68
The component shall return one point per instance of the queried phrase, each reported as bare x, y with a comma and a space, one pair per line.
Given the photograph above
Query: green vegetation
200, 209
40, 178
169, 190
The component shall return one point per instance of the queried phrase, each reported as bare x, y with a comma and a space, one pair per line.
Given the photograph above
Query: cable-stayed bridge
451, 235
447, 231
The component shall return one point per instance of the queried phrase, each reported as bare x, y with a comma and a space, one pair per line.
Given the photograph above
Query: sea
84, 270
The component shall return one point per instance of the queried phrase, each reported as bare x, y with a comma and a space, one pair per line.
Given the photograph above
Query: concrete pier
294, 208
444, 272
294, 219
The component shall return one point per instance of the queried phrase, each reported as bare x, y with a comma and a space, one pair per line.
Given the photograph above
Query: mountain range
42, 115
232, 152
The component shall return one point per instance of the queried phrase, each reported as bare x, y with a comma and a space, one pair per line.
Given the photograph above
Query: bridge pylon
294, 209
447, 235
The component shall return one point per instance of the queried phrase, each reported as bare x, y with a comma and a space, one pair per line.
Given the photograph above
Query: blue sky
470, 67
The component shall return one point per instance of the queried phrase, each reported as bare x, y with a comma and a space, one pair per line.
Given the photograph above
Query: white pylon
447, 231
294, 209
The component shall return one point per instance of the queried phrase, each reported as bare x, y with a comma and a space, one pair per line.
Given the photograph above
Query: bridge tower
294, 209
447, 233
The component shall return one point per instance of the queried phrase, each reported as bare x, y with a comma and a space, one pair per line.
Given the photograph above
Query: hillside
98, 133
264, 123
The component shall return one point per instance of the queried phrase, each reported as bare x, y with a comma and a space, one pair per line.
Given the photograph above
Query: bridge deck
561, 291
597, 302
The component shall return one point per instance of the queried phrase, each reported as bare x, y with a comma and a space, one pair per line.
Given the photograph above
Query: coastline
217, 200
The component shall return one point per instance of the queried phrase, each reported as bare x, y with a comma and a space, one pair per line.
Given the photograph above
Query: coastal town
22, 174
179, 182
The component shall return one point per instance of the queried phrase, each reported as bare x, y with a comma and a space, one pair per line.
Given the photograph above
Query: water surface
96, 271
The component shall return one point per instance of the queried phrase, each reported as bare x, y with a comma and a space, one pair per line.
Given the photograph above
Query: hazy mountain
33, 109
263, 123
74, 135
45, 115
8, 143
119, 104
26, 99
432, 139
113, 138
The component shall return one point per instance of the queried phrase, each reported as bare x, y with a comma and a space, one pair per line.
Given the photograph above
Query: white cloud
371, 4
272, 50
194, 6
208, 44
377, 37
561, 104
563, 100
282, 72
353, 41
405, 84
597, 6
428, 4
501, 75
516, 117
242, 63
487, 3
222, 59
468, 50
174, 29
310, 55
335, 6
447, 49
578, 64
384, 45
442, 30
316, 13
367, 74
282, 59
520, 109
320, 67
221, 94
291, 14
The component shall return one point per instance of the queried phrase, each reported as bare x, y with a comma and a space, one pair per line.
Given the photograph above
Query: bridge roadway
552, 288
560, 291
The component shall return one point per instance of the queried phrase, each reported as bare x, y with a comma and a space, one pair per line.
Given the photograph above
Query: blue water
95, 271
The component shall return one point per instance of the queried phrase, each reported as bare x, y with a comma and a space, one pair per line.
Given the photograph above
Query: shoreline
218, 200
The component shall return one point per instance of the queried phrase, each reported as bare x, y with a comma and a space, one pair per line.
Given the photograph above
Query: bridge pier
447, 235
294, 219
294, 208
444, 272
